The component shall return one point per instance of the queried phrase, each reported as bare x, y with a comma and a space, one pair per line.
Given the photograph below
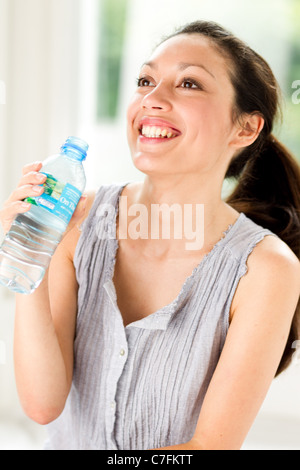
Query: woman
139, 343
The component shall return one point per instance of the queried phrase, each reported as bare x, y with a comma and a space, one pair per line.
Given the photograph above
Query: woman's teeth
157, 132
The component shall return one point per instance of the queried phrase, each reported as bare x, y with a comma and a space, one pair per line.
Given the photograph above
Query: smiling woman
138, 342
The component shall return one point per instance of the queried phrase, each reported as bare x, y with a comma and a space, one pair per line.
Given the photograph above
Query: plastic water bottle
26, 251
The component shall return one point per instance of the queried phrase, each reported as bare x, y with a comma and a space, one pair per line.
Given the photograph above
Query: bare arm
43, 343
45, 320
263, 309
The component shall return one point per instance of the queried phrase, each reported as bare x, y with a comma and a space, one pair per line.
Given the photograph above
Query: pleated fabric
142, 386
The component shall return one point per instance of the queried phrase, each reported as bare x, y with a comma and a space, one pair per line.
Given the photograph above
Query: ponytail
268, 192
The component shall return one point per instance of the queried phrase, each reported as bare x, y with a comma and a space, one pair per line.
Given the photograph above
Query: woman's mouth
155, 132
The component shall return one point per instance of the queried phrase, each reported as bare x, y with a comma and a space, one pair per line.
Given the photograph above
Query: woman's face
180, 117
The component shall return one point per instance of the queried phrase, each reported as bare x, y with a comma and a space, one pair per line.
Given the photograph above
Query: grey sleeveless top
142, 387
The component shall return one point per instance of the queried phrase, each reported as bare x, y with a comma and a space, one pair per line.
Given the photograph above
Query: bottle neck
73, 154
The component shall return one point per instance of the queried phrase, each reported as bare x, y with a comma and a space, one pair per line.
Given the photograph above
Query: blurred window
111, 38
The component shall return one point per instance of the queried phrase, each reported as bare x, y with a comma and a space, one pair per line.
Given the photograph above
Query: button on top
122, 352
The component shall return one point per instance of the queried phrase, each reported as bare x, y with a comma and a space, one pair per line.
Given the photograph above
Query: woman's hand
31, 185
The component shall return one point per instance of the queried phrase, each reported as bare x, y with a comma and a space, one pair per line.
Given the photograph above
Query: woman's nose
157, 99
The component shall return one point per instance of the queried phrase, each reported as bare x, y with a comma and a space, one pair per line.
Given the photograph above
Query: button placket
117, 363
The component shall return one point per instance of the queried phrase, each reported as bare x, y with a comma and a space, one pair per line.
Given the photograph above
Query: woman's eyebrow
185, 65
181, 66
152, 65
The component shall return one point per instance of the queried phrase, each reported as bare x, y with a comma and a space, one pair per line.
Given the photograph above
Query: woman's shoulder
257, 244
274, 253
271, 266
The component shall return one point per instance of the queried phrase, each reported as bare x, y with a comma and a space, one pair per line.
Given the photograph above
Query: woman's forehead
187, 48
179, 51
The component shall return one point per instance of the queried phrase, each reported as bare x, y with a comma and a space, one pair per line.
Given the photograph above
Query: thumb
79, 213
80, 209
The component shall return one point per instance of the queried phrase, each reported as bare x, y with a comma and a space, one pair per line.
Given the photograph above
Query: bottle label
58, 198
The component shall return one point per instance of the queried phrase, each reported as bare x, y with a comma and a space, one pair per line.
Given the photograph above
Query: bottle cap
77, 146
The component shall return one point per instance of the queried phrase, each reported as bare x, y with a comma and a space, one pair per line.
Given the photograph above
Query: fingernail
26, 205
37, 189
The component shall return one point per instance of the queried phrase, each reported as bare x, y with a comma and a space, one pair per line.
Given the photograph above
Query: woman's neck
175, 216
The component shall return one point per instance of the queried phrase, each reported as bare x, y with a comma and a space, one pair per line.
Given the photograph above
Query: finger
22, 192
14, 209
83, 200
78, 215
36, 166
79, 211
8, 214
81, 207
32, 177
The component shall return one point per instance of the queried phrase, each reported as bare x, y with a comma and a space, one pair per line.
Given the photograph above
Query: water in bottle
26, 251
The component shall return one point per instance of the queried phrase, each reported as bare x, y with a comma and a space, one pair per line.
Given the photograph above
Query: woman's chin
148, 164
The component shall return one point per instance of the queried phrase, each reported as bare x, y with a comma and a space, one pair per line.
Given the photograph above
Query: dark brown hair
267, 175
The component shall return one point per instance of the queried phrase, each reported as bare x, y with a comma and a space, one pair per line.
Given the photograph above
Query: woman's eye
142, 82
191, 84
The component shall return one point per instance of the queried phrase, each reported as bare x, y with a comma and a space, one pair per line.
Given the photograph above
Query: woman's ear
248, 129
